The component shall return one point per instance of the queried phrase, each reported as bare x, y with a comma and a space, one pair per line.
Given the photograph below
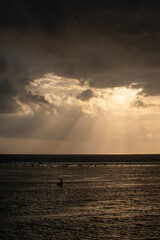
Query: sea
102, 197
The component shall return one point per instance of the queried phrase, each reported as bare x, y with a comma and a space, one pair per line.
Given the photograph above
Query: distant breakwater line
80, 158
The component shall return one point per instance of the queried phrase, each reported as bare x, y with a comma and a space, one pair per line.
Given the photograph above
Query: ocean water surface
97, 201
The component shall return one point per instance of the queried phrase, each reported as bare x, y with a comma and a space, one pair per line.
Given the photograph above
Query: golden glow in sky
80, 119
69, 93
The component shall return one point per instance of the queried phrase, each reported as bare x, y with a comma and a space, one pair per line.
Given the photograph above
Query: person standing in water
60, 184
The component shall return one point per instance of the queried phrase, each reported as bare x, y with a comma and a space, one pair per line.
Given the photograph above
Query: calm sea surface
97, 201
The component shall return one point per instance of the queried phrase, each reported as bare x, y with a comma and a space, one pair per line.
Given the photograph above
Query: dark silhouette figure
60, 184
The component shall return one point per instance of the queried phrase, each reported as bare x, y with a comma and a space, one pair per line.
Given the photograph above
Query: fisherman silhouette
60, 184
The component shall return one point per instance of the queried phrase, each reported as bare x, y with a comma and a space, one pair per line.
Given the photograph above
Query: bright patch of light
62, 93
123, 97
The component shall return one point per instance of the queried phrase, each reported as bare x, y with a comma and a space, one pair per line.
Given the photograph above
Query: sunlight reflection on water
102, 202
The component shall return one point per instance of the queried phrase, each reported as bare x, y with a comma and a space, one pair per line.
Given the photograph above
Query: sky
80, 77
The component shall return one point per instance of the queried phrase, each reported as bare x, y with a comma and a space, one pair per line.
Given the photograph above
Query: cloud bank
104, 44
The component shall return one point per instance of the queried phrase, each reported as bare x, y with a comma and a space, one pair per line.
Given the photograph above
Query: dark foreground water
97, 201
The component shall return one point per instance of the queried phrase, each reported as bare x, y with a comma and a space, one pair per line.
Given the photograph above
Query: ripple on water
95, 203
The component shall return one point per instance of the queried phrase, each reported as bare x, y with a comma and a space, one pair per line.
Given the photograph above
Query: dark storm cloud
152, 88
13, 80
106, 43
86, 95
3, 65
108, 15
8, 86
36, 98
7, 96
